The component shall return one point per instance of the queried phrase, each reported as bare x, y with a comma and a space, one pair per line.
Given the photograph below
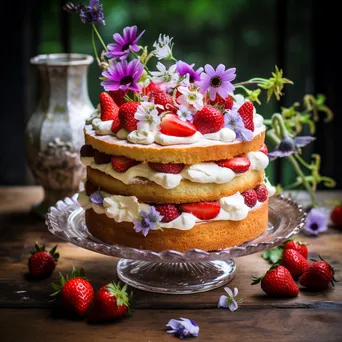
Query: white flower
163, 47
190, 98
147, 115
185, 82
229, 302
167, 78
185, 113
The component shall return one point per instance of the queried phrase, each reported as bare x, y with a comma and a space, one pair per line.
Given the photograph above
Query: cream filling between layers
197, 173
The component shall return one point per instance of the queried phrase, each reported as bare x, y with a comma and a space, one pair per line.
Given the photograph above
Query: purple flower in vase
123, 76
124, 43
185, 69
91, 14
289, 146
217, 81
147, 221
96, 198
234, 121
317, 221
183, 327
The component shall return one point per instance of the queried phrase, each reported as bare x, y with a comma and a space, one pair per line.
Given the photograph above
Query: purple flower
96, 198
229, 302
183, 327
234, 121
289, 146
317, 220
92, 14
217, 81
185, 69
124, 44
147, 221
123, 76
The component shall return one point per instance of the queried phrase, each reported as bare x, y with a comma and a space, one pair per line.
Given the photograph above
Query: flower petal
209, 70
236, 291
233, 305
303, 141
229, 291
223, 302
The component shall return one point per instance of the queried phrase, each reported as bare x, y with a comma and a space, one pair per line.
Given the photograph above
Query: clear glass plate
170, 271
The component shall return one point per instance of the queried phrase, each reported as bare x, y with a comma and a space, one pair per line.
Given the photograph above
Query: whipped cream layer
127, 208
197, 173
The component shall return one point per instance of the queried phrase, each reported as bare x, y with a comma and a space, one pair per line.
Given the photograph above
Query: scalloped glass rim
66, 220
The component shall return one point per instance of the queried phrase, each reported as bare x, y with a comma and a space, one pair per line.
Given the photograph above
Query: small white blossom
163, 47
147, 115
229, 302
166, 78
185, 82
190, 97
184, 113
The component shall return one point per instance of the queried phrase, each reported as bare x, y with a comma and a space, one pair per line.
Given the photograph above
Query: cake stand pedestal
170, 271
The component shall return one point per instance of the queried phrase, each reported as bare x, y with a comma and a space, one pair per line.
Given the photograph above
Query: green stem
173, 59
303, 162
278, 121
100, 38
242, 87
268, 122
245, 83
145, 66
94, 47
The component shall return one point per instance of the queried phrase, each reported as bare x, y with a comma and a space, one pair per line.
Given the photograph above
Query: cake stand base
176, 278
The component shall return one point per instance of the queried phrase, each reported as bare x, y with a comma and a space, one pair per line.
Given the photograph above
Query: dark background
302, 37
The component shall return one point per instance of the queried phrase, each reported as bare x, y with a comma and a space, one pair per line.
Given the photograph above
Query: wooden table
25, 307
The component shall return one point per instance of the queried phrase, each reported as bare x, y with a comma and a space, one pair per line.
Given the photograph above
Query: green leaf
273, 255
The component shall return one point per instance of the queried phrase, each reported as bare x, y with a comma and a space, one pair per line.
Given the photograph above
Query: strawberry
101, 158
277, 282
167, 168
122, 164
208, 120
336, 215
41, 262
222, 104
164, 99
118, 96
202, 210
261, 192
87, 151
172, 125
90, 187
294, 262
110, 303
298, 246
168, 211
246, 113
237, 164
75, 293
126, 115
109, 109
318, 276
152, 87
264, 149
250, 198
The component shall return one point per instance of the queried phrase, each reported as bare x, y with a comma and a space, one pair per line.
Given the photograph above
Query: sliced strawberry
109, 109
221, 103
246, 113
126, 115
237, 164
264, 149
202, 210
250, 198
166, 168
101, 158
172, 125
152, 87
168, 211
208, 120
164, 99
261, 192
122, 164
118, 96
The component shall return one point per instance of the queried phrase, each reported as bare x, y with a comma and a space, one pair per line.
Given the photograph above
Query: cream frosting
102, 127
224, 134
163, 139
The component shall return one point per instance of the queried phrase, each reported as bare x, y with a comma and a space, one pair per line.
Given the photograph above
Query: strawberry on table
298, 246
246, 113
250, 198
110, 303
172, 125
164, 99
122, 163
169, 212
42, 262
167, 168
277, 282
126, 115
208, 120
336, 215
202, 210
237, 164
294, 262
75, 293
221, 103
261, 192
109, 109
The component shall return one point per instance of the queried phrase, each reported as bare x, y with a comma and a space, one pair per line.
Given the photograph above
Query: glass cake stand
170, 271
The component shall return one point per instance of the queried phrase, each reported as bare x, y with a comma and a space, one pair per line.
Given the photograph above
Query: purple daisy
217, 81
317, 220
92, 14
147, 221
234, 121
185, 69
123, 76
289, 146
124, 44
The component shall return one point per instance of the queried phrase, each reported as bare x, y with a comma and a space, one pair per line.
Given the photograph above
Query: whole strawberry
42, 262
277, 282
298, 246
163, 99
126, 116
111, 302
109, 110
208, 120
294, 262
318, 276
75, 293
336, 215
